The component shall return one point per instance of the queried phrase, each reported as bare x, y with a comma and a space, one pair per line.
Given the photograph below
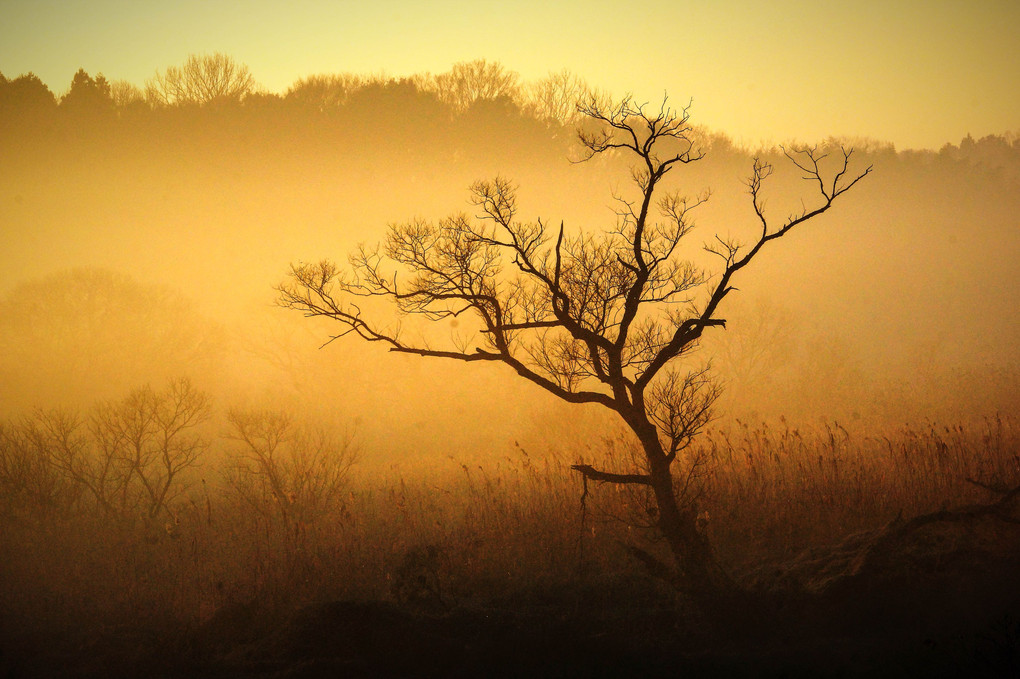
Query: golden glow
271, 502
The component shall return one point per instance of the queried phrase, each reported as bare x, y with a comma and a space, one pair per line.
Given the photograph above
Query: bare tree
326, 93
290, 469
470, 81
749, 355
556, 96
125, 93
128, 456
81, 458
149, 436
602, 318
28, 482
202, 80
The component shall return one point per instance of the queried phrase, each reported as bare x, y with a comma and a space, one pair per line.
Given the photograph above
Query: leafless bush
201, 80
126, 457
555, 97
147, 442
292, 471
28, 482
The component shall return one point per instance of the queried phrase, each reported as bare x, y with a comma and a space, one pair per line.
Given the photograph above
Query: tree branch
610, 477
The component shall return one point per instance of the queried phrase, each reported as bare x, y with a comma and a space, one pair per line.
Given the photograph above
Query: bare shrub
296, 471
143, 444
29, 484
201, 80
127, 457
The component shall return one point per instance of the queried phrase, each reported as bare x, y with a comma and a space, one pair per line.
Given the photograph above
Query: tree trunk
699, 574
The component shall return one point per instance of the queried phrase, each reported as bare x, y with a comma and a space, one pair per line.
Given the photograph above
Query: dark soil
936, 596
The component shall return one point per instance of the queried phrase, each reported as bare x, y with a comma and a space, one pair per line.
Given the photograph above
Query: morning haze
212, 203
245, 489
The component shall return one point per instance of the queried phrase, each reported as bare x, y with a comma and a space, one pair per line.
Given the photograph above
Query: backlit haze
898, 305
194, 477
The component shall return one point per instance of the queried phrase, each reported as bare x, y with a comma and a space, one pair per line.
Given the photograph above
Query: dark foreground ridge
935, 596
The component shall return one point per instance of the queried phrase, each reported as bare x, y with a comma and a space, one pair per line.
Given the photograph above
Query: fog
196, 480
142, 244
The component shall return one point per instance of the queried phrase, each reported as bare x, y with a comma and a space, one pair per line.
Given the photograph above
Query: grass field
310, 525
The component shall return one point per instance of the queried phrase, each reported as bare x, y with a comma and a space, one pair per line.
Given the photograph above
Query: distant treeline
473, 95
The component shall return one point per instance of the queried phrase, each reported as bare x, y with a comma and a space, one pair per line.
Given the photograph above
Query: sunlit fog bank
141, 244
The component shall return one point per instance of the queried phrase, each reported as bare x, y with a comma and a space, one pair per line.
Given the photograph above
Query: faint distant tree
84, 333
483, 114
62, 438
470, 81
608, 318
324, 93
991, 152
127, 457
200, 81
145, 442
29, 484
290, 470
88, 95
126, 94
831, 360
555, 97
750, 353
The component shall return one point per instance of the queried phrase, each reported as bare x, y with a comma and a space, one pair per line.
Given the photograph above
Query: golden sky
916, 73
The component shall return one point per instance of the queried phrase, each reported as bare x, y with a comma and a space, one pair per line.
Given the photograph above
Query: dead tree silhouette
593, 318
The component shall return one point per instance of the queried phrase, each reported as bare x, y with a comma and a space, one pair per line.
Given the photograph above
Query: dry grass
777, 490
480, 530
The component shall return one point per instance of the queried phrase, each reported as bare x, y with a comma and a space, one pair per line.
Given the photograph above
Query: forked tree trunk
699, 574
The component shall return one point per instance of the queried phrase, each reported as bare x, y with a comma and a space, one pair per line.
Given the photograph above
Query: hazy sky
917, 73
